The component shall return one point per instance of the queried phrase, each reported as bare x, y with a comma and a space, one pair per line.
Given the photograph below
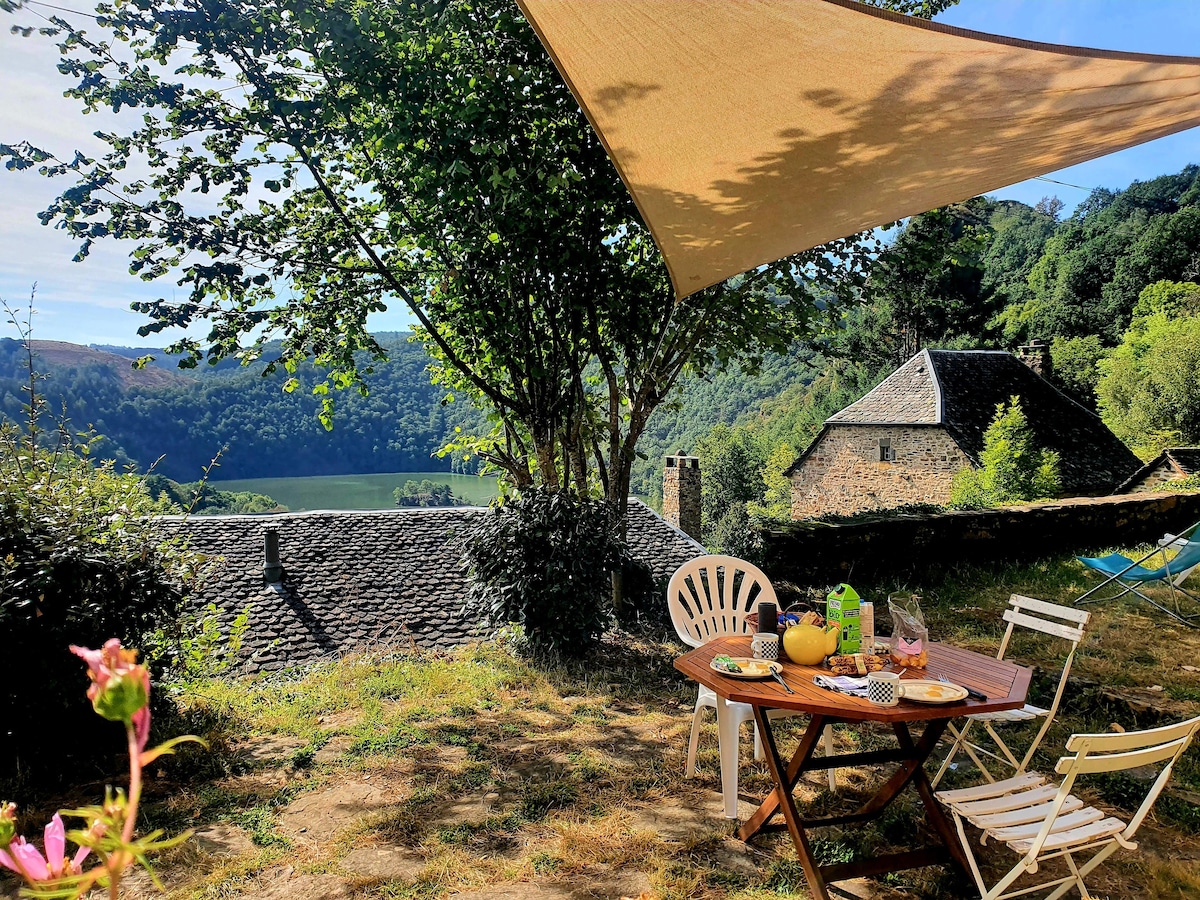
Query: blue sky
88, 302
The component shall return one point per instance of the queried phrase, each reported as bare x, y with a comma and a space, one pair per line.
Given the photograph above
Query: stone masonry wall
681, 494
844, 474
877, 551
1156, 479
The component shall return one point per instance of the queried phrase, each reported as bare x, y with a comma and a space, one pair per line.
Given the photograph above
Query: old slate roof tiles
354, 579
1184, 461
908, 396
1092, 460
960, 390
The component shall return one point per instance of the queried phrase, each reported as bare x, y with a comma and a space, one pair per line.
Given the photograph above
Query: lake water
357, 491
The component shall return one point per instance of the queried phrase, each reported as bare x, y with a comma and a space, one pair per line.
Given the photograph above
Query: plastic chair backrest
710, 597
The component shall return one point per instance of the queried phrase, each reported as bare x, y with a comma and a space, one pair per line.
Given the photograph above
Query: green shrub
1013, 469
544, 561
81, 561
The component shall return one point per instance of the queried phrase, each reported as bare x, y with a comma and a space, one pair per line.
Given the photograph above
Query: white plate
925, 690
751, 667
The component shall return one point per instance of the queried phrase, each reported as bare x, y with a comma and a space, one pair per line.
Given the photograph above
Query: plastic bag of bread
910, 637
857, 664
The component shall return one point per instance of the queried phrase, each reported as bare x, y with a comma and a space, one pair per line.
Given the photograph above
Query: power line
77, 12
1077, 187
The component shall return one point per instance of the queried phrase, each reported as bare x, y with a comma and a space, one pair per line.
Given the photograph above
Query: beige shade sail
749, 130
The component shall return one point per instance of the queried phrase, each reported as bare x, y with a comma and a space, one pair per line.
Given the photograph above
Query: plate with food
745, 667
924, 690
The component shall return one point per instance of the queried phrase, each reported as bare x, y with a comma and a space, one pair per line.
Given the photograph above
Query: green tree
1075, 367
923, 290
1149, 392
731, 460
426, 152
1012, 468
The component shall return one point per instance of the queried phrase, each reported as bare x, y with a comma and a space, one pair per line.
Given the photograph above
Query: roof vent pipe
272, 568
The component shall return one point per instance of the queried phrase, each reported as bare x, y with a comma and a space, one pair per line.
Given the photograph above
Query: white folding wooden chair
1041, 821
710, 597
1036, 615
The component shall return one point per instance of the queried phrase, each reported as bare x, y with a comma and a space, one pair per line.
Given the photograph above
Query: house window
887, 453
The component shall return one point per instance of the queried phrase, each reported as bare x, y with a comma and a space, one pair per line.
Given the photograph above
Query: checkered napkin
843, 684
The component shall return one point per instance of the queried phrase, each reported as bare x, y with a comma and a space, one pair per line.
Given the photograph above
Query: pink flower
24, 859
120, 688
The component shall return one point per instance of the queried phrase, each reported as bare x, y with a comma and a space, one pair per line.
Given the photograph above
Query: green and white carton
843, 607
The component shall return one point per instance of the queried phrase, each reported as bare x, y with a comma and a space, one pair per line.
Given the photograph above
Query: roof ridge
939, 406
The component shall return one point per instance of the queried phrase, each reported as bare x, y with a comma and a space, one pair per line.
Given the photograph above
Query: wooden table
1004, 683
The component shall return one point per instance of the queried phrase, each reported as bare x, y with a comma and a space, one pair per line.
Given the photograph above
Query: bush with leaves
1013, 469
543, 560
81, 559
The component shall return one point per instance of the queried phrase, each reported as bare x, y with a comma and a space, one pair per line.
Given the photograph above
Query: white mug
765, 645
884, 688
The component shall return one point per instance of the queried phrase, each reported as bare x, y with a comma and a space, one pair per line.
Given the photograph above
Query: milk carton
843, 607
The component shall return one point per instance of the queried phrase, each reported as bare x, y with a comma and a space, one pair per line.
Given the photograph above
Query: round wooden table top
1005, 684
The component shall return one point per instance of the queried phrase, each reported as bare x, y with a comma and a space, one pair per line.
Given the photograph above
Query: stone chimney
272, 568
681, 493
1036, 355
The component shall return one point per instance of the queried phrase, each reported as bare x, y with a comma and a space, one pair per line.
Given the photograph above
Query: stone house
1173, 464
904, 441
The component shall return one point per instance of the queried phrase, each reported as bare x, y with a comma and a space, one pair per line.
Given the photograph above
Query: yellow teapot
808, 645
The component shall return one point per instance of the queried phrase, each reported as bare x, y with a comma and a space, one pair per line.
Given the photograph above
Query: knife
779, 678
974, 694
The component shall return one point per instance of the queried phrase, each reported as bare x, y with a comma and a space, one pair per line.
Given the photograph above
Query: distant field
356, 491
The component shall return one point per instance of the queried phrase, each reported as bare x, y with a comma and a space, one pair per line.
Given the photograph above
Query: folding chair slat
1050, 609
1113, 762
1085, 834
1110, 742
1066, 821
1007, 802
995, 789
1011, 715
1067, 632
1025, 815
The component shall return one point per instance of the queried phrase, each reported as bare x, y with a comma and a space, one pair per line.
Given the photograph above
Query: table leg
804, 752
911, 755
785, 782
934, 813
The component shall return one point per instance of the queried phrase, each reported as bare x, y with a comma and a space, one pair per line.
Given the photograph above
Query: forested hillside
267, 432
981, 274
1109, 288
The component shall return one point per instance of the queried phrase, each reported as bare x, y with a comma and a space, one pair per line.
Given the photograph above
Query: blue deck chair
1130, 574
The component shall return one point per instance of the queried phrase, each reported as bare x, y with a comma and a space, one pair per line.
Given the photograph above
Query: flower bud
8, 824
122, 696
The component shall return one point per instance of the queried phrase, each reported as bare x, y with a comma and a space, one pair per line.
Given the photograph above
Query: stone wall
844, 473
878, 550
1162, 474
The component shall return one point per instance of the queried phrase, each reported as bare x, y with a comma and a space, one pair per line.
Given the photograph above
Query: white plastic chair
1036, 615
1041, 821
710, 597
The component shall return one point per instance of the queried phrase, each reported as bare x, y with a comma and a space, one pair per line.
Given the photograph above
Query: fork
971, 692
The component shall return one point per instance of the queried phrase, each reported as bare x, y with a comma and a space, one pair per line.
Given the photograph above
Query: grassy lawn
422, 775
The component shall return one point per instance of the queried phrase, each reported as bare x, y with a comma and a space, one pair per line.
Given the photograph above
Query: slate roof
1183, 460
354, 579
960, 390
908, 396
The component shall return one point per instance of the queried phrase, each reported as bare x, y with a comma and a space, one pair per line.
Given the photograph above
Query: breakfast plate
924, 690
750, 667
